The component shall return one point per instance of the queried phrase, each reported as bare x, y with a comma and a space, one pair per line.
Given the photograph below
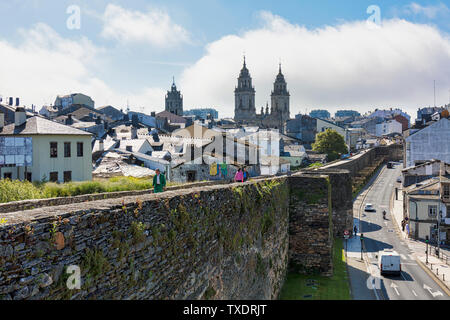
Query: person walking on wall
159, 182
355, 229
245, 173
239, 177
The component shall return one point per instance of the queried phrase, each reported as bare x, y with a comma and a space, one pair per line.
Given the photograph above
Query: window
7, 175
79, 149
432, 210
67, 149
53, 149
129, 148
446, 190
67, 176
54, 176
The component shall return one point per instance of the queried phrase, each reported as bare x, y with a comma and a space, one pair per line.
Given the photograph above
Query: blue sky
201, 43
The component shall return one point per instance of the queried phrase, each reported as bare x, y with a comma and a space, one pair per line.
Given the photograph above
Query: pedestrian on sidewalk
355, 229
403, 224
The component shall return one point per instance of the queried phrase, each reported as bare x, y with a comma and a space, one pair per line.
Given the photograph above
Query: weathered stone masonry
209, 242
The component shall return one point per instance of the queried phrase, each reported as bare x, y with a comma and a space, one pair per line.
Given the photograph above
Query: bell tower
244, 97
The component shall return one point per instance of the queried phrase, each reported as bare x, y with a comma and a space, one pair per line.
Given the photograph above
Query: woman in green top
159, 182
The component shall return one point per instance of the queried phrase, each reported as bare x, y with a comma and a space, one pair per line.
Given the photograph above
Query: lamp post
361, 238
426, 250
438, 238
416, 228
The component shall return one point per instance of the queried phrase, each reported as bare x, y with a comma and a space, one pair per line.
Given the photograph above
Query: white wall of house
388, 127
423, 214
432, 142
43, 164
324, 125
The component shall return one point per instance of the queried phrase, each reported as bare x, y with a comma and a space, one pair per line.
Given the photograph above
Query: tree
331, 143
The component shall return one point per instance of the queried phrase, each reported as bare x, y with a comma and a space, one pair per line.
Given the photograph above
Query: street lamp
438, 233
415, 230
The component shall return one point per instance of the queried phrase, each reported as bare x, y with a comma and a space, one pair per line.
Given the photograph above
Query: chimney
20, 116
133, 132
69, 120
17, 102
2, 120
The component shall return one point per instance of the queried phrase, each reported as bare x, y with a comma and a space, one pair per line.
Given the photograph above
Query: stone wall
356, 164
211, 242
341, 199
310, 225
228, 241
39, 203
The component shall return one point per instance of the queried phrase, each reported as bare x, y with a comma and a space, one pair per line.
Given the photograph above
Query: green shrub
22, 190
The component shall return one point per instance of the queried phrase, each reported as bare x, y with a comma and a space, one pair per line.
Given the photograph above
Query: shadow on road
369, 227
358, 283
372, 245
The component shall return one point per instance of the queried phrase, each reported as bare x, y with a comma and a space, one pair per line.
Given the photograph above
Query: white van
389, 262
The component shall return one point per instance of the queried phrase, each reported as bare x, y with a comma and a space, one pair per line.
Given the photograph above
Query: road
413, 283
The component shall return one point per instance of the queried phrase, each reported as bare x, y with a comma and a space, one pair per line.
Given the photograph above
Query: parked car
389, 262
369, 207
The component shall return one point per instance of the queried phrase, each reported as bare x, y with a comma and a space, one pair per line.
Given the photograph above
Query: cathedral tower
244, 97
174, 101
280, 99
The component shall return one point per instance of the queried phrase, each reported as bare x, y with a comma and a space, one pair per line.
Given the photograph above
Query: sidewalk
396, 211
436, 268
357, 268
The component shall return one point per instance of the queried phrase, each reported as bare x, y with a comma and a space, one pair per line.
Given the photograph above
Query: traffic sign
346, 234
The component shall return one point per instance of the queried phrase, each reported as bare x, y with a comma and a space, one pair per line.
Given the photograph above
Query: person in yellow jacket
213, 169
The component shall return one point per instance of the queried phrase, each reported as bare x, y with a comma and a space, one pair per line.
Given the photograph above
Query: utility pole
361, 238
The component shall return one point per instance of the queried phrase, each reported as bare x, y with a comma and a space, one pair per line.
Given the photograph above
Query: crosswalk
403, 257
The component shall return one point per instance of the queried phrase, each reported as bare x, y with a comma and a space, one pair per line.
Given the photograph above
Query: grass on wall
315, 287
23, 190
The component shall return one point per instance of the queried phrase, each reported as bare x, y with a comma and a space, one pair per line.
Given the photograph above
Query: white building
37, 149
323, 125
388, 127
432, 142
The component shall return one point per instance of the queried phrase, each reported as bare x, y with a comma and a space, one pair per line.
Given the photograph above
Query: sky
358, 55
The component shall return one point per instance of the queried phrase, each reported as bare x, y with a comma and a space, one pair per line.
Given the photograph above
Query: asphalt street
379, 234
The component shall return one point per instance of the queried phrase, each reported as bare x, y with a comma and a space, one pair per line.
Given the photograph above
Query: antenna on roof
434, 84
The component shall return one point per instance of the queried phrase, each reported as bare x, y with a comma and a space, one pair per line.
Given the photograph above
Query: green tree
331, 143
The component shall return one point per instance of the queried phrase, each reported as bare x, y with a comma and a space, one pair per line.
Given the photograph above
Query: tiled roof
38, 125
173, 118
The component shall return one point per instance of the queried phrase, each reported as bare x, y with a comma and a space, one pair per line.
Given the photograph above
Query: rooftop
40, 126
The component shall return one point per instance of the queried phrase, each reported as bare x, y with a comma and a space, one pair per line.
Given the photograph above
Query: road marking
393, 285
414, 292
434, 294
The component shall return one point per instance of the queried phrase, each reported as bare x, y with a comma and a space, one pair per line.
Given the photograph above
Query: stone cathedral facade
244, 107
174, 101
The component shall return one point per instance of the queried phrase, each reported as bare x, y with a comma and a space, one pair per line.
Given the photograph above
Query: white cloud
45, 64
154, 27
350, 65
431, 12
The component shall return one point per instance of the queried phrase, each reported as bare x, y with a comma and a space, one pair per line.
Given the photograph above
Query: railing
444, 257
